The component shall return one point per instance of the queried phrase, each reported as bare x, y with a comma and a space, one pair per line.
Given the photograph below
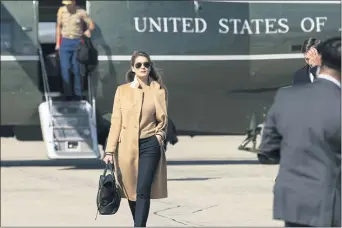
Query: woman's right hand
108, 158
57, 47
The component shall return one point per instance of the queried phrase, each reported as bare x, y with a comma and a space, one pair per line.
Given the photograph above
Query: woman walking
135, 140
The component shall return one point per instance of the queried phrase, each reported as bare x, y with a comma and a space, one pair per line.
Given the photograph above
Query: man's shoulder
295, 91
61, 10
81, 11
286, 90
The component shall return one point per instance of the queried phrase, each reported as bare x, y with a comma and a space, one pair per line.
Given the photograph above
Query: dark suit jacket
302, 76
306, 135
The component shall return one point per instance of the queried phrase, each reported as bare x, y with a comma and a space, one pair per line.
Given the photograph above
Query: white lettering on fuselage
309, 25
254, 26
170, 24
234, 26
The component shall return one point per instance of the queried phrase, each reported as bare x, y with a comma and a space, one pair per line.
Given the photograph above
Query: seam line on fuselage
172, 57
274, 2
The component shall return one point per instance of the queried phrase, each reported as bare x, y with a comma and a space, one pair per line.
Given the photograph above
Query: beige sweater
148, 121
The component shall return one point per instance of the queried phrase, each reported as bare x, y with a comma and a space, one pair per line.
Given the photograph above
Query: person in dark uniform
312, 57
303, 129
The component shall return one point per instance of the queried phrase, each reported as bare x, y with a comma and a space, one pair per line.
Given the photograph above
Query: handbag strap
108, 167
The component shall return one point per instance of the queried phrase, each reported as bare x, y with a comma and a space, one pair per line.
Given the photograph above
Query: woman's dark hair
153, 71
311, 42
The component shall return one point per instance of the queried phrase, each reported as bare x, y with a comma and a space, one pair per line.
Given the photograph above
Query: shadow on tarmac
98, 164
192, 179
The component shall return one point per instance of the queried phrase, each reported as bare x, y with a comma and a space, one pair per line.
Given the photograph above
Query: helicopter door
20, 95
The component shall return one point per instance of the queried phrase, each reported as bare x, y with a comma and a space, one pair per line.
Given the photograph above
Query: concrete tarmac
210, 183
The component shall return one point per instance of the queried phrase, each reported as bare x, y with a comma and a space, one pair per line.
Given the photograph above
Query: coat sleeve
115, 124
271, 139
161, 113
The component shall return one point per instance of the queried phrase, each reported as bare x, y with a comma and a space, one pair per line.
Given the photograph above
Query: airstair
68, 127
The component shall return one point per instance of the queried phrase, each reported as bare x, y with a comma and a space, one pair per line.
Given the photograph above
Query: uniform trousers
67, 55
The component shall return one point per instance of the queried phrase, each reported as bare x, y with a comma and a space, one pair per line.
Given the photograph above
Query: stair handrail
91, 97
45, 77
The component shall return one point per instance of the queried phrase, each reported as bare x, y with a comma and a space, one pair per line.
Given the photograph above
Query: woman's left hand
160, 140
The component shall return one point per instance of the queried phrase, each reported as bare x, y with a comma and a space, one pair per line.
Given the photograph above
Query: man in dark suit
303, 129
312, 57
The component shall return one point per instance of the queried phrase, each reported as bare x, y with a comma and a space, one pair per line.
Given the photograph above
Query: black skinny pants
149, 156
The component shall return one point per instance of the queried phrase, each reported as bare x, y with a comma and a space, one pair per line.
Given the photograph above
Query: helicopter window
6, 36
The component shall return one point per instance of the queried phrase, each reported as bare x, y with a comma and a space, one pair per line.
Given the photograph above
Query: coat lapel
138, 98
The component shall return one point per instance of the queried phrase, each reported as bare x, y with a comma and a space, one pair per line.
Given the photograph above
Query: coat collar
136, 84
330, 78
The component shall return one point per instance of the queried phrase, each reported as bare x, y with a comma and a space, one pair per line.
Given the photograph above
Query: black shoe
77, 98
68, 98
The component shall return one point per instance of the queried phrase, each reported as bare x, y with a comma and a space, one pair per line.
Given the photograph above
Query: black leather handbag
87, 54
108, 195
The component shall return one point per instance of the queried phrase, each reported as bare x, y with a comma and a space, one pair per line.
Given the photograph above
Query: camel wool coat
123, 138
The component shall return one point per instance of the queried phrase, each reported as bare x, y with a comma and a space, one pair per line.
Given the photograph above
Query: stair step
69, 115
70, 103
68, 109
72, 121
79, 133
59, 94
70, 140
66, 127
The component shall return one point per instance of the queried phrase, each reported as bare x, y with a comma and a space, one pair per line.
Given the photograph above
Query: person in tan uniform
135, 141
70, 22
